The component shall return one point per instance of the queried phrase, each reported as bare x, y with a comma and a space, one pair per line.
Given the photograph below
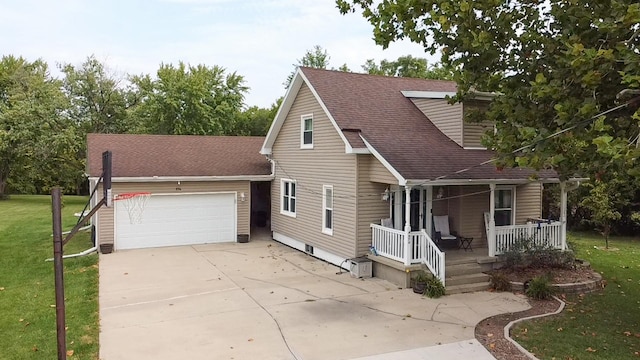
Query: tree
317, 58
37, 140
99, 100
256, 121
604, 200
408, 66
553, 66
194, 100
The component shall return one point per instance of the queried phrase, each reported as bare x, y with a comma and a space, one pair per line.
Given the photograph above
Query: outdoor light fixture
385, 195
242, 197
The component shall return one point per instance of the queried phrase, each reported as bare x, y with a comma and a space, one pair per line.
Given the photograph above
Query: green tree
553, 66
38, 142
185, 99
99, 99
317, 58
408, 66
604, 200
255, 121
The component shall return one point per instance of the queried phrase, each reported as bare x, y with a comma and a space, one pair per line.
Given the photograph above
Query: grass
601, 325
27, 314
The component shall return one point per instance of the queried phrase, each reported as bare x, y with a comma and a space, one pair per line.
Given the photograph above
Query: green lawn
601, 325
27, 312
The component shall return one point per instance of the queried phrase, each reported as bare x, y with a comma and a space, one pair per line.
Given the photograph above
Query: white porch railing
543, 234
390, 243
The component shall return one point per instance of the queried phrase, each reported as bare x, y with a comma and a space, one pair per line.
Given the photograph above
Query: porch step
463, 269
476, 278
466, 288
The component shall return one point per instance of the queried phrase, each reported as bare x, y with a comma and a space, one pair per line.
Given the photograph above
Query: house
351, 151
202, 189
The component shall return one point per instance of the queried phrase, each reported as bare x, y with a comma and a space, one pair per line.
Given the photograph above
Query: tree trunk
3, 186
607, 230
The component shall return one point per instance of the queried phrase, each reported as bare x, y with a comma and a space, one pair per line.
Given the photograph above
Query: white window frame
286, 184
325, 208
513, 202
303, 120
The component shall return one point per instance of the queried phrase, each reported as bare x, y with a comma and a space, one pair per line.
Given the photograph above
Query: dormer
449, 118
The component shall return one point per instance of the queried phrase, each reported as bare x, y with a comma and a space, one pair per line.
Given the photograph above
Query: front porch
408, 238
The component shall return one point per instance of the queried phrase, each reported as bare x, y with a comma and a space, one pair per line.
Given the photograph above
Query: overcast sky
259, 39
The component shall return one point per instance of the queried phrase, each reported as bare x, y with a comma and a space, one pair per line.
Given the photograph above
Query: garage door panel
171, 220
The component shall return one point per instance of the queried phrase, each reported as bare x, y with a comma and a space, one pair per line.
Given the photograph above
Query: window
504, 209
327, 209
288, 191
306, 134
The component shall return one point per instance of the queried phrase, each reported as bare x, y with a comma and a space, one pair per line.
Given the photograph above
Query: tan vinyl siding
325, 164
446, 117
106, 218
378, 173
472, 132
528, 202
371, 207
474, 203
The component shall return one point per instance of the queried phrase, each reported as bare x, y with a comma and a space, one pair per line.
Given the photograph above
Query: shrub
539, 288
527, 252
499, 282
434, 288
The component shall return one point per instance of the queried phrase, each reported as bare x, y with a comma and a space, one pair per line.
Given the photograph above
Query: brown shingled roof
398, 130
177, 155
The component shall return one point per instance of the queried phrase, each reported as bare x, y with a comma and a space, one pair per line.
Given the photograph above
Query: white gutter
414, 182
190, 178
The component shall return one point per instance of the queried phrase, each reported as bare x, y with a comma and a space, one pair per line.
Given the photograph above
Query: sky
258, 39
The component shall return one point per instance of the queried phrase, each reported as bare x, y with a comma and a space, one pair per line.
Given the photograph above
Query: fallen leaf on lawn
21, 320
52, 306
1, 289
34, 348
490, 335
589, 349
69, 352
559, 329
525, 330
627, 333
636, 335
492, 346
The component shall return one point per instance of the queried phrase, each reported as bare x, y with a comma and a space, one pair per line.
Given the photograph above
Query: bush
539, 288
434, 288
499, 282
527, 253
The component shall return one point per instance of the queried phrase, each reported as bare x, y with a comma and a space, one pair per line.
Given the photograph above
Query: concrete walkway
263, 300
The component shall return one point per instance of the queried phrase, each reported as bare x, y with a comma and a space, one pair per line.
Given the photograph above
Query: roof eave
139, 179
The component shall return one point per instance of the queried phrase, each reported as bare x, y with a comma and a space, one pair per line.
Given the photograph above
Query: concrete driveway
263, 300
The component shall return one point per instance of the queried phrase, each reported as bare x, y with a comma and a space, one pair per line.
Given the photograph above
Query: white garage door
171, 220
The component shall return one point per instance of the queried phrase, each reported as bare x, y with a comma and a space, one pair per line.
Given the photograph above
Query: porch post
492, 221
428, 223
563, 215
407, 225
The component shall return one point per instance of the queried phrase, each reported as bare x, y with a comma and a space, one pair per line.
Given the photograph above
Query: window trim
513, 203
284, 183
303, 119
326, 230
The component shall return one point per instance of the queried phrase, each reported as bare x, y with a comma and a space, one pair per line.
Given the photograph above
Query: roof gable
148, 156
349, 139
400, 133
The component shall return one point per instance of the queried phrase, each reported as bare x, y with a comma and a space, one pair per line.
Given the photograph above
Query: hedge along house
364, 161
203, 189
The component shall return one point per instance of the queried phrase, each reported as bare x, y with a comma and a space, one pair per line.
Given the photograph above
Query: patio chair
443, 236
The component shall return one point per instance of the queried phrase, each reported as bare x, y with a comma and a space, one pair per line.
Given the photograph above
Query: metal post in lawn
58, 267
